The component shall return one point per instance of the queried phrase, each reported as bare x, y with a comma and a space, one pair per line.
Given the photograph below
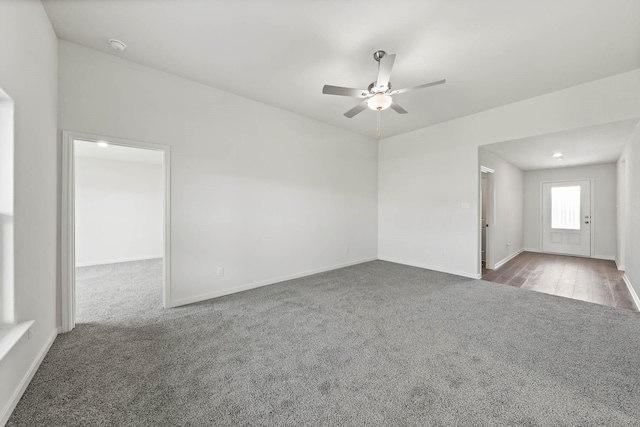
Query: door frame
491, 200
592, 208
621, 212
67, 226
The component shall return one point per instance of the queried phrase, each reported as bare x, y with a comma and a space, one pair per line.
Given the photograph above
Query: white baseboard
632, 291
115, 261
433, 268
618, 266
17, 394
507, 259
607, 257
235, 289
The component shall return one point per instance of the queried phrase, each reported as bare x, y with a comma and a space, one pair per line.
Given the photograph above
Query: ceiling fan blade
398, 109
357, 109
345, 91
384, 70
407, 89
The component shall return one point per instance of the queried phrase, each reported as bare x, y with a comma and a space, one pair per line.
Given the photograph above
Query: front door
566, 218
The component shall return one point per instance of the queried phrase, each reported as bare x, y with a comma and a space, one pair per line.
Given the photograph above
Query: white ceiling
584, 146
117, 152
281, 52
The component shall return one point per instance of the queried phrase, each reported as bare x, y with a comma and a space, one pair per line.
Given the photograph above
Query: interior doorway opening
487, 219
116, 228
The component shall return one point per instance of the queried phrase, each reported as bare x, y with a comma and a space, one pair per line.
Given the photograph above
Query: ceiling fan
378, 96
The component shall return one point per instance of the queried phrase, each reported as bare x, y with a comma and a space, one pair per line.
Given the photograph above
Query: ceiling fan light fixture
379, 101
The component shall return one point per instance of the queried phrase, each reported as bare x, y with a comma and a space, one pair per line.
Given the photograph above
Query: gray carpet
378, 344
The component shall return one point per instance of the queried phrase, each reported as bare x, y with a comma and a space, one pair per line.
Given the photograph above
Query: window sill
11, 334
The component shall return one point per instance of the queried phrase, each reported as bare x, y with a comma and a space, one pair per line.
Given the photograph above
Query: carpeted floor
377, 344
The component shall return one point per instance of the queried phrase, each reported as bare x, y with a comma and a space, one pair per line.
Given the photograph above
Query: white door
566, 218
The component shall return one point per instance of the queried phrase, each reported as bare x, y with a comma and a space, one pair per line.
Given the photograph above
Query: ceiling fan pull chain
378, 128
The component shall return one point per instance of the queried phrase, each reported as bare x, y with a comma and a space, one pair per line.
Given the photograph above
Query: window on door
565, 208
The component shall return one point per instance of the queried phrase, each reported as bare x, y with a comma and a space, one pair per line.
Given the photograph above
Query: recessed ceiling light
557, 155
117, 45
102, 144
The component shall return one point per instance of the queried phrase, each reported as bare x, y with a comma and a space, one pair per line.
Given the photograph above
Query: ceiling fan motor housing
373, 88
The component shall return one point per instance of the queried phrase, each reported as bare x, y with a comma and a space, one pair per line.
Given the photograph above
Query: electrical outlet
466, 205
346, 249
428, 252
220, 271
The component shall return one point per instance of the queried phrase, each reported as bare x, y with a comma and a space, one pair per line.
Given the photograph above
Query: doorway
622, 214
566, 217
487, 219
483, 219
115, 220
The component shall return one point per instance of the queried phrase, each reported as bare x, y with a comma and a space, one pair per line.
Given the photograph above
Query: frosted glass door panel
565, 208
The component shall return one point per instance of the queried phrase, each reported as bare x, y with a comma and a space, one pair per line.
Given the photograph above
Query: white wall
119, 210
28, 74
603, 217
6, 210
262, 192
631, 229
427, 177
508, 232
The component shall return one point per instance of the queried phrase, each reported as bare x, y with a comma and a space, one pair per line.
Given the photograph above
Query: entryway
586, 279
566, 217
487, 222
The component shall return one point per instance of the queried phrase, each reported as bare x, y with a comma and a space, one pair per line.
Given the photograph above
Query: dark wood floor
586, 279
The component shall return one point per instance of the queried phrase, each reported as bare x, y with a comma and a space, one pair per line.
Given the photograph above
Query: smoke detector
117, 45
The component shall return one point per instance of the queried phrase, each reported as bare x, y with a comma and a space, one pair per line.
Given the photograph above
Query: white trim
116, 261
11, 334
17, 394
491, 220
68, 219
486, 169
507, 259
233, 290
607, 257
432, 268
632, 291
67, 236
618, 266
